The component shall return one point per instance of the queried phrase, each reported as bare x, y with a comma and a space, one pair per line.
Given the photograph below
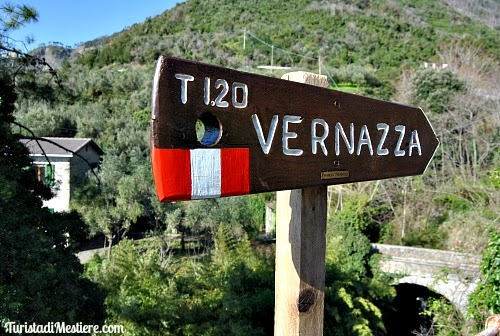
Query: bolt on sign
218, 132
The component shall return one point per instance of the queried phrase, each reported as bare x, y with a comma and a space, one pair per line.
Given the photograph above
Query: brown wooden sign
220, 132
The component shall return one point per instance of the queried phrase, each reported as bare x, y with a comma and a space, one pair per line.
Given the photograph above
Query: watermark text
62, 328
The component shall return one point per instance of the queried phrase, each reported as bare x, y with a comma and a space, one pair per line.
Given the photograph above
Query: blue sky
71, 22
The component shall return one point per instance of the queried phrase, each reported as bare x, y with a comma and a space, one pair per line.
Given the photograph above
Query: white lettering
319, 138
290, 119
9, 326
315, 140
219, 102
239, 93
184, 80
364, 139
339, 130
380, 148
61, 328
244, 98
206, 96
414, 143
265, 144
398, 151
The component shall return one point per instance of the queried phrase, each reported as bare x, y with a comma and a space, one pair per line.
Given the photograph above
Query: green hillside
376, 48
379, 37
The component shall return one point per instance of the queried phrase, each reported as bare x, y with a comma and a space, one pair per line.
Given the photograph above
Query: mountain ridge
380, 34
374, 48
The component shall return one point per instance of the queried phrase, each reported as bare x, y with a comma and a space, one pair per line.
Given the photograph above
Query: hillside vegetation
375, 48
378, 37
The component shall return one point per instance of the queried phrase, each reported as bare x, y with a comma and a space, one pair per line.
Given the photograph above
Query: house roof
58, 146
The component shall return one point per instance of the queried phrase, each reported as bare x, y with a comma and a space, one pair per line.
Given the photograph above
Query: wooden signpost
263, 134
218, 132
300, 251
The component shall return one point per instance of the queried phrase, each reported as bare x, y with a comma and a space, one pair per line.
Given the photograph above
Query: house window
45, 174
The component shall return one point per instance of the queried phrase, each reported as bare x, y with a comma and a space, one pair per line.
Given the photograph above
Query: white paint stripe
205, 173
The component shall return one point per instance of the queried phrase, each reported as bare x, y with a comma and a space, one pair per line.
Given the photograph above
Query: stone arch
405, 318
453, 275
455, 290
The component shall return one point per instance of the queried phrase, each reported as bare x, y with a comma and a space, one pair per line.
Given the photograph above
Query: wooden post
242, 113
300, 251
492, 327
489, 332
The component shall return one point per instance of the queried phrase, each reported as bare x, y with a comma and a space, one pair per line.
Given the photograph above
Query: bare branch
28, 59
38, 139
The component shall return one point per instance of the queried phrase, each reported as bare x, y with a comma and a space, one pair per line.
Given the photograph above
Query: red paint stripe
172, 174
235, 169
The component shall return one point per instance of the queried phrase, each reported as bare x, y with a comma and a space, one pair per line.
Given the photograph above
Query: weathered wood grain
297, 135
300, 253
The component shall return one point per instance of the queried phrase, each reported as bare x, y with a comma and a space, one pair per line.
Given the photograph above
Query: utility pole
272, 55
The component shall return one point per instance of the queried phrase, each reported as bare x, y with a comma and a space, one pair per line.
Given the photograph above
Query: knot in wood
306, 300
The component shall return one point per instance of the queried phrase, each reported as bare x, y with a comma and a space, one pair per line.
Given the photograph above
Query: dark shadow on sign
307, 234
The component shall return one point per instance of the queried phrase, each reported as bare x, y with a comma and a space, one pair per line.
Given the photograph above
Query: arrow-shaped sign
220, 132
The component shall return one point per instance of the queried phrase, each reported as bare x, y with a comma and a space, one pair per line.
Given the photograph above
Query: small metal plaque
335, 174
263, 134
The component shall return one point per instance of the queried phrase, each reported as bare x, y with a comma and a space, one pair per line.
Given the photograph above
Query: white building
62, 163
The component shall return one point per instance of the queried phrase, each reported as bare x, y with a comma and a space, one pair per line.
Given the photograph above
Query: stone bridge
450, 274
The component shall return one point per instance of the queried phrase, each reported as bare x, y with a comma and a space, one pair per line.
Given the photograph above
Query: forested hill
375, 48
377, 37
216, 279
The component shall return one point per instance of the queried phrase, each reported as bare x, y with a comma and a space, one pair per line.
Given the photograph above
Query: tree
485, 300
240, 216
14, 16
356, 292
435, 89
41, 280
114, 205
151, 292
40, 277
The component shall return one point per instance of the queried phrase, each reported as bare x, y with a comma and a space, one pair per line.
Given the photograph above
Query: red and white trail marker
219, 132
